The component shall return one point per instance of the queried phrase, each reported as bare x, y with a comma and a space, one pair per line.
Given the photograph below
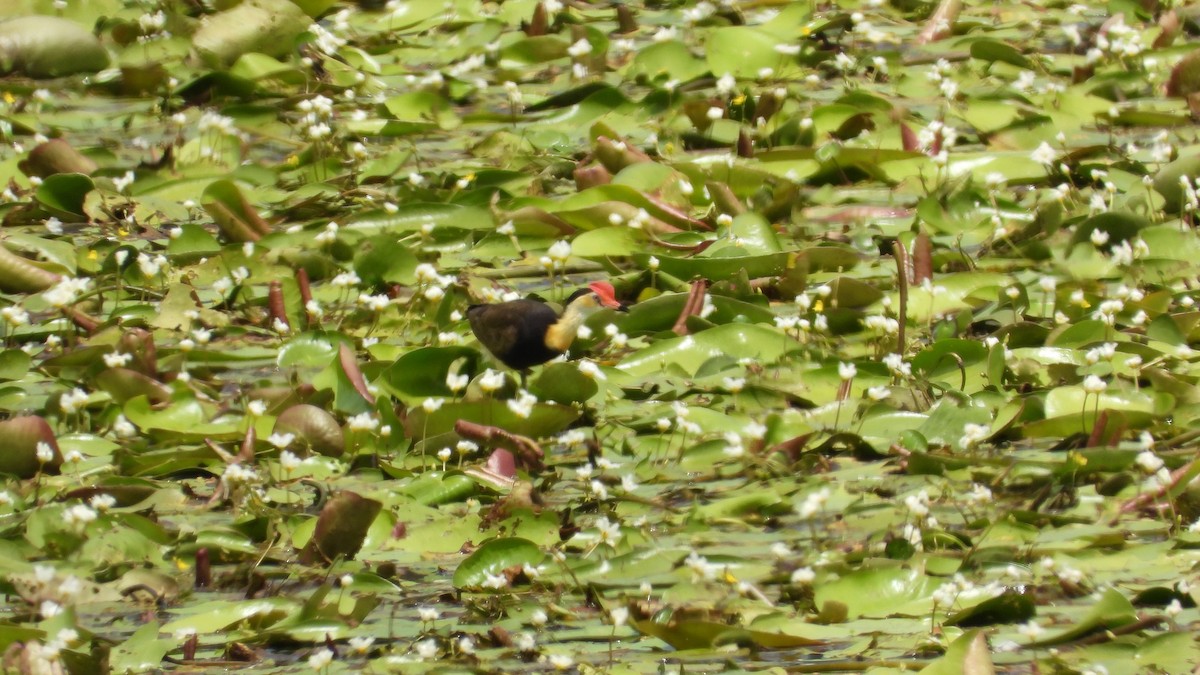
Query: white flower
879, 393
522, 406
847, 371
289, 461
73, 400
427, 614
560, 250
609, 532
1030, 629
345, 280
803, 575
426, 649
256, 408
236, 474
320, 658
281, 441
980, 494
66, 292
1149, 461
581, 48
491, 380
973, 434
1093, 384
361, 645
457, 383
363, 422
117, 359
15, 316
1044, 154
79, 514
496, 581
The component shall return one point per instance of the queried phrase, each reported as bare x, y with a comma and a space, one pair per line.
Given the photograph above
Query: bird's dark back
515, 332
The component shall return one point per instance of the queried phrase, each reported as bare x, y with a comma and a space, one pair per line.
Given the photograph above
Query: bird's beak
622, 307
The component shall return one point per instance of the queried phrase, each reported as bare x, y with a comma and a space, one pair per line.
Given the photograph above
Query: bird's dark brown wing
508, 328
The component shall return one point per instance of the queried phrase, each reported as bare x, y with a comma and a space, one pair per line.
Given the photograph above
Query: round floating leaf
433, 488
63, 194
341, 528
563, 383
422, 372
741, 51
1185, 76
989, 50
544, 420
19, 438
47, 46
123, 384
1167, 182
669, 60
267, 26
738, 341
313, 427
494, 558
879, 593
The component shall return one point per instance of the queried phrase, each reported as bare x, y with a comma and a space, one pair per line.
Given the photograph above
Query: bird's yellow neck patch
561, 333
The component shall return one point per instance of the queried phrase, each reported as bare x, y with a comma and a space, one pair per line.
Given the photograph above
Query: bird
525, 333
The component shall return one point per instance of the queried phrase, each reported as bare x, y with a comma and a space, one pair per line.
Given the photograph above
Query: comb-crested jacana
524, 333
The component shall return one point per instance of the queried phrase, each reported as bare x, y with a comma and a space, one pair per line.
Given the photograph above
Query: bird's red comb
608, 294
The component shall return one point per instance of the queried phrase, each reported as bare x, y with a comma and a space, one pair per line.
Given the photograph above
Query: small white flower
79, 514
1149, 461
1031, 629
362, 644
559, 251
256, 408
320, 658
803, 576
281, 441
73, 400
1044, 154
491, 381
590, 369
1093, 384
457, 383
847, 371
363, 422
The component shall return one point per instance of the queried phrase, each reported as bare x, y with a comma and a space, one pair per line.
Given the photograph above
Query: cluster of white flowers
522, 405
66, 292
813, 503
973, 434
1119, 41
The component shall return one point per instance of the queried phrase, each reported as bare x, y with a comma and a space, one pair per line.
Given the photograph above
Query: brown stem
275, 303
527, 452
692, 307
902, 283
